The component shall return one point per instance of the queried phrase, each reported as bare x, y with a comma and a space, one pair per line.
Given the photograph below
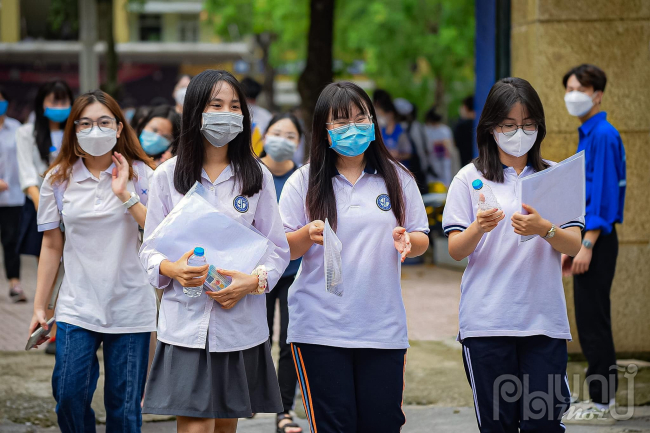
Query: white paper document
557, 193
194, 222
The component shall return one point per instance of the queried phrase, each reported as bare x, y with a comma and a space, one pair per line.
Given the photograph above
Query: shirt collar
223, 176
586, 128
368, 169
80, 172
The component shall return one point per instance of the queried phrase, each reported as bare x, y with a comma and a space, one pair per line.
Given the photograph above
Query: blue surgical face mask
153, 144
57, 114
352, 142
3, 107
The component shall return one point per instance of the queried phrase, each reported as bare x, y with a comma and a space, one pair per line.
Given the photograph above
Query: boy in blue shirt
594, 266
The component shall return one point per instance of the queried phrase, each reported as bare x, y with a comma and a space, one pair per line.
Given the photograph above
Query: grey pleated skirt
203, 384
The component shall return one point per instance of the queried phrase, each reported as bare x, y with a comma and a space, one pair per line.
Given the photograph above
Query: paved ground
437, 397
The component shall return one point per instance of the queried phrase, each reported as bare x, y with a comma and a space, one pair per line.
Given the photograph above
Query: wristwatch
133, 200
551, 232
587, 244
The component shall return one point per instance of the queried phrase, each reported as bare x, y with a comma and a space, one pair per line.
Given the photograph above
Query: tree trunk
318, 69
111, 86
264, 40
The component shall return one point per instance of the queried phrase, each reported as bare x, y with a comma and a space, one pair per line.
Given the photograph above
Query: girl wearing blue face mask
349, 347
37, 145
159, 131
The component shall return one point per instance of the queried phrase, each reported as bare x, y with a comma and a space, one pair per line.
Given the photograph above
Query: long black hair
165, 112
191, 152
338, 99
502, 97
61, 92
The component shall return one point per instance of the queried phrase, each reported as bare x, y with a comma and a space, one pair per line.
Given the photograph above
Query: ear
119, 129
598, 98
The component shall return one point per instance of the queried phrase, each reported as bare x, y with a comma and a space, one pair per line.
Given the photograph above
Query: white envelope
194, 222
557, 193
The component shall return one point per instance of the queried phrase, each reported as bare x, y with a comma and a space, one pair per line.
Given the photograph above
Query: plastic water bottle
196, 259
490, 202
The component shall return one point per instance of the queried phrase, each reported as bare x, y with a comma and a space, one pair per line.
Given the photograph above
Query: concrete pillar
88, 59
548, 38
10, 21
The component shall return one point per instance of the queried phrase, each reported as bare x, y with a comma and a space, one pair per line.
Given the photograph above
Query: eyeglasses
363, 122
510, 129
85, 125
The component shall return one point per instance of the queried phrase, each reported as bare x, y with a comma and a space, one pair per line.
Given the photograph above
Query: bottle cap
198, 251
477, 184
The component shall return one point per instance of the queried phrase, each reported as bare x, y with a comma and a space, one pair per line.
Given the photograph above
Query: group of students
347, 352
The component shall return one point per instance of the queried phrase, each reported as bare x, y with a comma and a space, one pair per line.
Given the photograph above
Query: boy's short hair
588, 76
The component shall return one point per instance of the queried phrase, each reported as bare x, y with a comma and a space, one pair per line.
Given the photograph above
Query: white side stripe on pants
471, 378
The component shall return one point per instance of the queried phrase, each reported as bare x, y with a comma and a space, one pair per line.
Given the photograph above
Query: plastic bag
194, 222
332, 255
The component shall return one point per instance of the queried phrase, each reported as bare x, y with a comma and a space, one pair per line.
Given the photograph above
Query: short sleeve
459, 211
292, 202
578, 222
144, 175
48, 217
24, 153
416, 219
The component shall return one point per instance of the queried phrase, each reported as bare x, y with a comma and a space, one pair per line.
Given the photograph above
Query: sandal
285, 416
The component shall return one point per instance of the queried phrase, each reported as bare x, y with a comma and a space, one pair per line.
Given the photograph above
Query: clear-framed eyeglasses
510, 129
362, 121
85, 125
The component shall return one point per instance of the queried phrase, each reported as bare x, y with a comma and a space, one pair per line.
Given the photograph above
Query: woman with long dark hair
513, 320
96, 189
159, 131
349, 342
281, 140
37, 145
213, 360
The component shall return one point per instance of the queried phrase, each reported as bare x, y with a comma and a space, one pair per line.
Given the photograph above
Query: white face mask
517, 145
279, 148
222, 127
98, 142
578, 103
179, 95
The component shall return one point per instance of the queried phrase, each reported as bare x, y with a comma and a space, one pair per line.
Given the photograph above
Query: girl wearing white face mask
213, 360
513, 321
280, 143
97, 190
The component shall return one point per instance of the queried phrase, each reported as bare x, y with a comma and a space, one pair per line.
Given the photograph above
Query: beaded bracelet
262, 276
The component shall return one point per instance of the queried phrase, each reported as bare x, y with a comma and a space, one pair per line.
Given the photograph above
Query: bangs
60, 92
342, 102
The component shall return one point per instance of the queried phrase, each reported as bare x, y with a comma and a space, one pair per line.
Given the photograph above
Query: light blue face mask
352, 142
57, 114
3, 107
153, 144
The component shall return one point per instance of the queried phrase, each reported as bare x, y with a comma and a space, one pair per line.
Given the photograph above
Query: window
150, 27
188, 28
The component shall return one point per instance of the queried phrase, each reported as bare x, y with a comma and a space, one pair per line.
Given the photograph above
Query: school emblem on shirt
383, 202
241, 204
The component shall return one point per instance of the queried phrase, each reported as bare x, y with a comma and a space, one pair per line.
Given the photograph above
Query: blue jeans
76, 371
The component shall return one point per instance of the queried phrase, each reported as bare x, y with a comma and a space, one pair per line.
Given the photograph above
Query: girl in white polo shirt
213, 359
513, 320
97, 188
349, 347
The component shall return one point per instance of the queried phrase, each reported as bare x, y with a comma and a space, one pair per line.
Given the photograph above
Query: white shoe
589, 413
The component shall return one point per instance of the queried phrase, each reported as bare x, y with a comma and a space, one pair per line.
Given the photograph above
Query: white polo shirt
188, 322
507, 289
105, 289
370, 313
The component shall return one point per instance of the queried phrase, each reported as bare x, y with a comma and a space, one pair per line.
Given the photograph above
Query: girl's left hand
402, 241
242, 284
120, 177
531, 224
